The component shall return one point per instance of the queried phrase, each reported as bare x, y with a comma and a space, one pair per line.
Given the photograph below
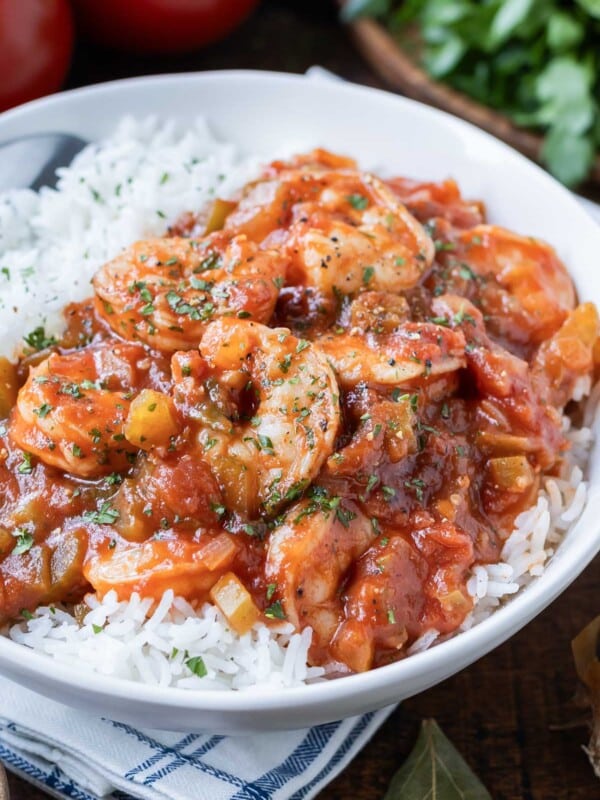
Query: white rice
129, 187
119, 639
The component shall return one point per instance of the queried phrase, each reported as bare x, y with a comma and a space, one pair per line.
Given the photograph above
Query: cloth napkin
73, 754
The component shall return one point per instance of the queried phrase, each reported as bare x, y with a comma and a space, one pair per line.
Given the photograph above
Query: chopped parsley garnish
295, 490
466, 273
275, 611
371, 483
321, 500
368, 273
285, 364
43, 410
105, 515
72, 389
210, 262
218, 509
358, 201
197, 666
417, 485
440, 321
25, 467
271, 589
265, 444
38, 340
24, 543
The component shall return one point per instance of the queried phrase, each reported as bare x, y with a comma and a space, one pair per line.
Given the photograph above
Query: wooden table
501, 712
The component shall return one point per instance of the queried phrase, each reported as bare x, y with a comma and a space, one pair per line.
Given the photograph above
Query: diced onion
235, 602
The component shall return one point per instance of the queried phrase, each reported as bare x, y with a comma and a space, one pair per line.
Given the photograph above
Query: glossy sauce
349, 467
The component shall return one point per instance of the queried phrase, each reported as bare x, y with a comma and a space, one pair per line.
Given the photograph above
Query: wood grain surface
507, 713
3, 784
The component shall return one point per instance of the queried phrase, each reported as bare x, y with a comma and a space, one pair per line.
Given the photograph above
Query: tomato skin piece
36, 42
160, 26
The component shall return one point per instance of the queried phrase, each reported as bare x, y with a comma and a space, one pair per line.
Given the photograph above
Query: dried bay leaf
435, 770
585, 654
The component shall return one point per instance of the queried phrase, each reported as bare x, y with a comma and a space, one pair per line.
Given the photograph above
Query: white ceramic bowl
259, 110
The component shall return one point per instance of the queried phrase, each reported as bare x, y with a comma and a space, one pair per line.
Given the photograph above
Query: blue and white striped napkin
73, 754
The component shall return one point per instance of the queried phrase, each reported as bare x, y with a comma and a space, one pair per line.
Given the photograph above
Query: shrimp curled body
72, 409
267, 407
164, 292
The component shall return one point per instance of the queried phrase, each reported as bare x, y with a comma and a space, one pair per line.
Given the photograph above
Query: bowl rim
478, 640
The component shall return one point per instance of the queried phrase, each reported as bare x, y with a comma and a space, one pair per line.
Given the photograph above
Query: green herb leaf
564, 31
568, 157
275, 611
25, 467
368, 273
24, 543
197, 666
435, 770
271, 589
591, 6
43, 410
510, 14
358, 201
105, 515
38, 340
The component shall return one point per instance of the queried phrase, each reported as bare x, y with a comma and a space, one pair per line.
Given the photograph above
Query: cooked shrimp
512, 417
165, 534
395, 595
165, 291
342, 230
307, 560
268, 408
443, 200
522, 286
189, 568
71, 411
413, 351
566, 360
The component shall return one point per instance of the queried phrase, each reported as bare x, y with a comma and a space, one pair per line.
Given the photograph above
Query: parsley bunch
535, 60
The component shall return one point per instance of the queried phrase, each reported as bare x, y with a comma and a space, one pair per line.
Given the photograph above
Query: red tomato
160, 26
36, 40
